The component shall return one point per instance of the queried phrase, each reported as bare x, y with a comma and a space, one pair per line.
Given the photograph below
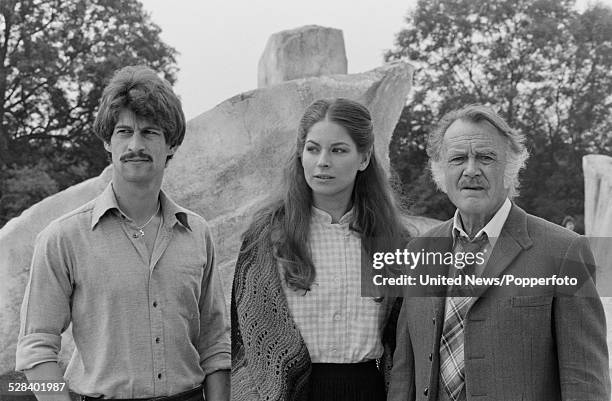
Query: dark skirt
346, 382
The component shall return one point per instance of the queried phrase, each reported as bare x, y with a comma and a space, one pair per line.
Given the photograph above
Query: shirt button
430, 356
155, 304
433, 320
426, 391
157, 340
159, 375
337, 316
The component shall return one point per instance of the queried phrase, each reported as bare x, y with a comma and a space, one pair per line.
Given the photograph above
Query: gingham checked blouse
337, 324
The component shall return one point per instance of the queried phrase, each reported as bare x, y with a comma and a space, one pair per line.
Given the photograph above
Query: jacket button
426, 391
430, 357
433, 319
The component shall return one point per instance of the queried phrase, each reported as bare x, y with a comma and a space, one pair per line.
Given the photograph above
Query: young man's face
138, 148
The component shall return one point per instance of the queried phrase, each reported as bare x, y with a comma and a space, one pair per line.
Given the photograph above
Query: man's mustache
135, 155
470, 183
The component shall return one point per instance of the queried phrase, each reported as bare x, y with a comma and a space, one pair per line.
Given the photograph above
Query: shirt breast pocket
185, 277
190, 268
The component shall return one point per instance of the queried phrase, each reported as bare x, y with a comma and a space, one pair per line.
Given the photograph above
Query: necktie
466, 246
452, 363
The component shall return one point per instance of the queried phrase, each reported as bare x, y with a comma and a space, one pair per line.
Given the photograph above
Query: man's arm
45, 312
214, 343
401, 387
217, 386
48, 372
580, 328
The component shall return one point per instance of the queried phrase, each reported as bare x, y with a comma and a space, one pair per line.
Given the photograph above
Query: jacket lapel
513, 239
444, 233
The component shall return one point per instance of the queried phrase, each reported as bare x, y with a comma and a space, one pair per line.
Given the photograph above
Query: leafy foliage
544, 66
24, 185
55, 58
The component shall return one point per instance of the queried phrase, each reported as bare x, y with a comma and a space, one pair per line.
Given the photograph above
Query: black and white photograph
305, 201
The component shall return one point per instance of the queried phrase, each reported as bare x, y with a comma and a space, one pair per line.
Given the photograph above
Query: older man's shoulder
442, 229
440, 232
540, 228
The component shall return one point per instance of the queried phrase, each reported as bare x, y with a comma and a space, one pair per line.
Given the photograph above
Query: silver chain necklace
141, 228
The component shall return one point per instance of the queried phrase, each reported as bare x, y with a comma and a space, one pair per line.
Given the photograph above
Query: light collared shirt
336, 323
493, 228
142, 327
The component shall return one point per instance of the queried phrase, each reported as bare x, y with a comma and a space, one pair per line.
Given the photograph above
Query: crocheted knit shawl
270, 360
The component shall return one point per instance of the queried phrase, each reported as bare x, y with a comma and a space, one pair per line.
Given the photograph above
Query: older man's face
474, 160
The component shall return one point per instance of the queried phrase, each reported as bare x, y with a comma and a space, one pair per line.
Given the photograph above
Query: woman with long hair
300, 328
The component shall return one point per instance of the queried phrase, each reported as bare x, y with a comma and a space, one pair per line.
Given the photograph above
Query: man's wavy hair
516, 156
140, 90
288, 217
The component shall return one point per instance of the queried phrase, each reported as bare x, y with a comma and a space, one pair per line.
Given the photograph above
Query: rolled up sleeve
45, 311
214, 342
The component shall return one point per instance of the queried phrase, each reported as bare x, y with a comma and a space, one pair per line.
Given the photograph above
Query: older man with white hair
499, 343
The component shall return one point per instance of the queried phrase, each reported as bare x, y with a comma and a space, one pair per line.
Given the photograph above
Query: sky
220, 41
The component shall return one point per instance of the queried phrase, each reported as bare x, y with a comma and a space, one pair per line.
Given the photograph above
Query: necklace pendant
140, 229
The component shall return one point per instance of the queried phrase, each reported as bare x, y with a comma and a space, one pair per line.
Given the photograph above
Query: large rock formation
309, 51
236, 160
16, 246
598, 225
598, 215
231, 160
597, 195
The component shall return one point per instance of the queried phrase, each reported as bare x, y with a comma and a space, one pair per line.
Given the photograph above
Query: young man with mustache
131, 270
499, 343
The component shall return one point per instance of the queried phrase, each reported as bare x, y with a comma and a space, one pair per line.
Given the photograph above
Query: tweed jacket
537, 347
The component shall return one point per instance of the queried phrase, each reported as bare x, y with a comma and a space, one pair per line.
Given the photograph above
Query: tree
55, 58
544, 66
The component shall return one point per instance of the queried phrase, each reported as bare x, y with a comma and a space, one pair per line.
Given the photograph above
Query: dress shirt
142, 327
493, 227
336, 323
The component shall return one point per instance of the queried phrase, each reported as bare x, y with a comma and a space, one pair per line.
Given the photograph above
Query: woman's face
331, 160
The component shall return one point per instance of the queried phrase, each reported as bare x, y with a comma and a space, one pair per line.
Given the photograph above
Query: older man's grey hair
516, 155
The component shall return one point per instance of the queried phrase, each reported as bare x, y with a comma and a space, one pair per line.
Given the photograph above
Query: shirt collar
493, 228
107, 201
173, 213
321, 216
103, 203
